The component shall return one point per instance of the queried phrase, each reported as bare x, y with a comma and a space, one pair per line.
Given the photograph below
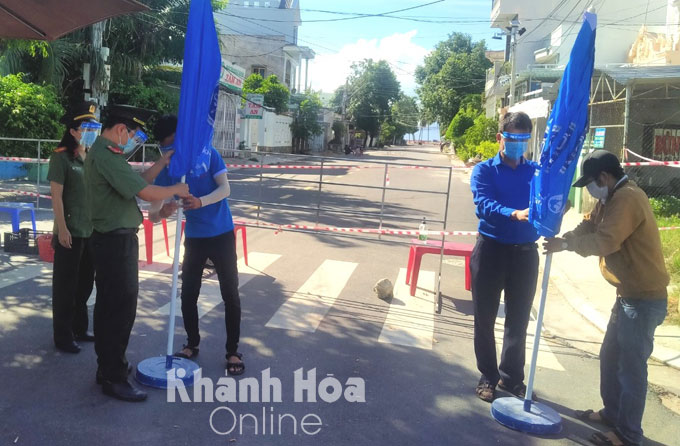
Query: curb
664, 355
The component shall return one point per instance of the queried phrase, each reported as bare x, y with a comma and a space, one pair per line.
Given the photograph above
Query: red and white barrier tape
325, 228
651, 162
28, 194
23, 160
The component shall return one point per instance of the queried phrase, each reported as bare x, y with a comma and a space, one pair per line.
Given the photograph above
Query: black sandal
235, 368
600, 439
181, 354
584, 415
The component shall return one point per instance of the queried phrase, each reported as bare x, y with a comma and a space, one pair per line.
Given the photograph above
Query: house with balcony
262, 37
551, 27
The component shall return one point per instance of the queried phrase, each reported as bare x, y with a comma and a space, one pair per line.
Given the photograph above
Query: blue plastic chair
14, 209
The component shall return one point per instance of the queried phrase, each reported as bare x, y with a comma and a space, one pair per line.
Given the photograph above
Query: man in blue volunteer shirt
505, 258
209, 235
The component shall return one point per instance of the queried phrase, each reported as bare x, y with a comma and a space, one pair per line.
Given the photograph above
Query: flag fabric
199, 93
564, 135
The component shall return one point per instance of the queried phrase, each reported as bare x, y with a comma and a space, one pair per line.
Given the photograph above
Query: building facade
262, 37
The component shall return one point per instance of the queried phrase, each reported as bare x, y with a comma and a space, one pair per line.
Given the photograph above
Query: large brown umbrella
51, 19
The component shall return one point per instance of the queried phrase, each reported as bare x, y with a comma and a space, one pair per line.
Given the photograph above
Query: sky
403, 43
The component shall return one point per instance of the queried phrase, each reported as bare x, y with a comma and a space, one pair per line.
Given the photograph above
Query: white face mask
598, 192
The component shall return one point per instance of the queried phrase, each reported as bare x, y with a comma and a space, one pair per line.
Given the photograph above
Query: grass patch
670, 242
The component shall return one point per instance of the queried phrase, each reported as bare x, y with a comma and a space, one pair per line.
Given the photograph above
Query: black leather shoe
85, 337
123, 391
100, 377
68, 347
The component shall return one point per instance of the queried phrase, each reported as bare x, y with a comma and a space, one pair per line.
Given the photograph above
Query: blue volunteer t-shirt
207, 221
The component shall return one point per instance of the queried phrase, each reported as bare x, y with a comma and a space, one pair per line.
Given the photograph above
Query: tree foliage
137, 42
403, 120
276, 95
27, 110
305, 120
373, 88
456, 68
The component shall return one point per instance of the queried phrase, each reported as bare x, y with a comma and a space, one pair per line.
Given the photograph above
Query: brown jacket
623, 232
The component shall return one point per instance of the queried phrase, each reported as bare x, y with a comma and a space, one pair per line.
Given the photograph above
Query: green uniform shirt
112, 186
68, 171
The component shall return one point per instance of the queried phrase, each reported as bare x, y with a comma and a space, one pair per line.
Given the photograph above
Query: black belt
121, 231
520, 246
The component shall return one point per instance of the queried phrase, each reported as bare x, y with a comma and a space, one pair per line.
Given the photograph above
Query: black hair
165, 126
517, 121
68, 141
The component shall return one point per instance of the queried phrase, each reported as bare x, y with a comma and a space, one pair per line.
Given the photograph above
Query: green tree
456, 68
276, 95
27, 110
373, 88
137, 42
338, 99
338, 131
305, 120
403, 120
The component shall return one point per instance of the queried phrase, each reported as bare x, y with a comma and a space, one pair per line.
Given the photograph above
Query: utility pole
344, 113
513, 37
514, 31
97, 80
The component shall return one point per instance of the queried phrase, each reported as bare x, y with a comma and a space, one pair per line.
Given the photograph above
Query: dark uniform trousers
221, 250
72, 281
495, 267
115, 259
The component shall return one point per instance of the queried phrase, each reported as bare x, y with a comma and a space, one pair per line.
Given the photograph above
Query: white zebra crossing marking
210, 289
310, 304
410, 320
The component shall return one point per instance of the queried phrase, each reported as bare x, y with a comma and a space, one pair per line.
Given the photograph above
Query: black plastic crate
22, 242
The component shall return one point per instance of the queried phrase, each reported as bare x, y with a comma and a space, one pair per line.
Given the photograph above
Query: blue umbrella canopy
199, 93
564, 135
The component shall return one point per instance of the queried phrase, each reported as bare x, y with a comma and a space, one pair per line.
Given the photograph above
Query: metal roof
642, 74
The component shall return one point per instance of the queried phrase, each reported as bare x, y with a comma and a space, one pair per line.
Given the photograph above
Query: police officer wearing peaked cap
112, 188
73, 274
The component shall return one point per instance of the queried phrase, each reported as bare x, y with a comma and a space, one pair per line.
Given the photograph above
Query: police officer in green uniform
73, 273
112, 190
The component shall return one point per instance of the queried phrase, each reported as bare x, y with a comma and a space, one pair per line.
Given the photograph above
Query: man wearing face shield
622, 231
112, 188
505, 258
73, 274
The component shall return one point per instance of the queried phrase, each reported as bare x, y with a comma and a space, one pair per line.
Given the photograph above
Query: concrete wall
269, 134
254, 51
250, 20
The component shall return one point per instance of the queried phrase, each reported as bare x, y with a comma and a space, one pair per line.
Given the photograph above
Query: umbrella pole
173, 293
537, 335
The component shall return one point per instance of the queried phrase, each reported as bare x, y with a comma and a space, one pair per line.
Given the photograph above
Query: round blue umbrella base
539, 420
152, 372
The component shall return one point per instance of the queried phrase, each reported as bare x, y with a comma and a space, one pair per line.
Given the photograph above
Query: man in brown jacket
622, 231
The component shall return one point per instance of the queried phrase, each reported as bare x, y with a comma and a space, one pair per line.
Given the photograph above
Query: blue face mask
515, 149
137, 140
89, 132
515, 144
164, 149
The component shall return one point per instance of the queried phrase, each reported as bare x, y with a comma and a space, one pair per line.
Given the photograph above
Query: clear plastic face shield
89, 130
516, 144
134, 143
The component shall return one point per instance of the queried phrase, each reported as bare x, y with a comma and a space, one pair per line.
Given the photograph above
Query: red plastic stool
419, 249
